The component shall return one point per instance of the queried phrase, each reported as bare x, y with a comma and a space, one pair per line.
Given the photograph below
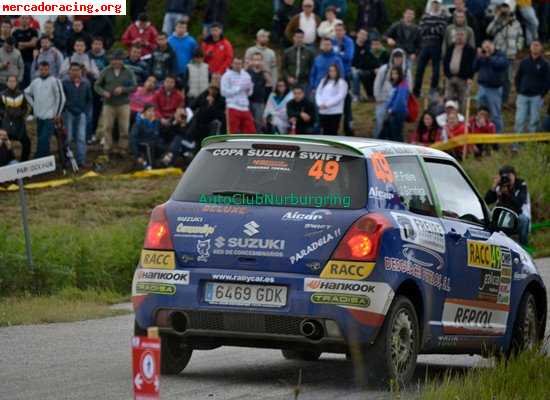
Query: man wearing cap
307, 21
458, 68
269, 57
451, 106
115, 83
511, 192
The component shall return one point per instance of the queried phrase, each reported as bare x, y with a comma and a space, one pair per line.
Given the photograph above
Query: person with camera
7, 156
511, 192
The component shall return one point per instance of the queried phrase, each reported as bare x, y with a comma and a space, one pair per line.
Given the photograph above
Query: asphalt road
91, 360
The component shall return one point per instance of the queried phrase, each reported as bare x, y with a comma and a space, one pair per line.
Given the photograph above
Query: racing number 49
327, 170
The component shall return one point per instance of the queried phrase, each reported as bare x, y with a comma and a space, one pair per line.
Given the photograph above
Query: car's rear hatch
286, 206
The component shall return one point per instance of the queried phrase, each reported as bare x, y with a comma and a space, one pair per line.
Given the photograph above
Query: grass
525, 377
67, 306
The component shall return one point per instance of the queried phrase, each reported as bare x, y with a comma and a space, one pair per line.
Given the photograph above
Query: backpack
413, 108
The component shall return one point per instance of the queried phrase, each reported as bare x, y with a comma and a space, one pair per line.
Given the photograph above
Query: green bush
98, 257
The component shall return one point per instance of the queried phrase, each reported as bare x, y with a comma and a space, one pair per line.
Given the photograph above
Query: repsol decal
461, 316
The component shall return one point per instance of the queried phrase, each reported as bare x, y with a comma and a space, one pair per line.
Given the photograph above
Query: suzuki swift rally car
378, 250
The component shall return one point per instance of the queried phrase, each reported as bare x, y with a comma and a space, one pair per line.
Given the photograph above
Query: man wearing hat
114, 85
450, 106
511, 192
269, 57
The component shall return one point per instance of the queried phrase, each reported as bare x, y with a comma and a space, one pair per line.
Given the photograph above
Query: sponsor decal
319, 227
187, 258
506, 257
155, 288
243, 278
297, 216
203, 248
421, 231
251, 228
228, 152
157, 259
484, 255
249, 247
489, 282
519, 276
304, 155
474, 317
333, 286
447, 341
315, 245
218, 209
378, 194
194, 231
409, 267
190, 219
166, 277
505, 286
268, 165
350, 270
422, 256
341, 300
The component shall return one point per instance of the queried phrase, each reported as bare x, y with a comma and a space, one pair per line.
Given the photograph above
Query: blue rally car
313, 244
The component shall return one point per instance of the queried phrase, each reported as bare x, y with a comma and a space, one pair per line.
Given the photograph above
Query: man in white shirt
236, 87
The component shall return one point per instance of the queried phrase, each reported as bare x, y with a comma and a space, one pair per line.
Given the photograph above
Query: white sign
27, 169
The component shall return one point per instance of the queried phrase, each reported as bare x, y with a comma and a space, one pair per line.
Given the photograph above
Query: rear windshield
274, 177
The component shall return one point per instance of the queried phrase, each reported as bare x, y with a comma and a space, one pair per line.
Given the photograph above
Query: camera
505, 180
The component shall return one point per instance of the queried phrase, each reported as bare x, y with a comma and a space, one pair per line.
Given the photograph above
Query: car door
479, 267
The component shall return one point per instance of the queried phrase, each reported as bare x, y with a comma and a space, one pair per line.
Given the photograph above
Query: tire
302, 355
174, 354
391, 360
525, 334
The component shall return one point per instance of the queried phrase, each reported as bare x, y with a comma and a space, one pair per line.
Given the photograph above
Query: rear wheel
174, 355
303, 355
392, 357
525, 335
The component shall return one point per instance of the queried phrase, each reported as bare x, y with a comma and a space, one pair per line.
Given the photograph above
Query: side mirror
505, 220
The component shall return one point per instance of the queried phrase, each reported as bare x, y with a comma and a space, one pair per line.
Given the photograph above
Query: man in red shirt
141, 32
218, 50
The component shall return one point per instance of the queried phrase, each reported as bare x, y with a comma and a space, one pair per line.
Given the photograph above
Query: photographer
511, 192
6, 151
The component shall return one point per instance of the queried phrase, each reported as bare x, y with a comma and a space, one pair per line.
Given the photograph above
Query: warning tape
68, 181
477, 138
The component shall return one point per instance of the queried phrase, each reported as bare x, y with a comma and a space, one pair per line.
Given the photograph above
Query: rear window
275, 177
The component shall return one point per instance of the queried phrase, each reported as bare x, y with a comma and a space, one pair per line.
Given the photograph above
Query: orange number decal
382, 168
331, 171
328, 171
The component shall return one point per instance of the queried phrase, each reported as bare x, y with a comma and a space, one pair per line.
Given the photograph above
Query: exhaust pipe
179, 321
311, 329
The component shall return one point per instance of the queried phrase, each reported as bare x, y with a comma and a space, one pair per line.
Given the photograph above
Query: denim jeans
492, 99
543, 11
170, 20
524, 227
532, 23
380, 113
527, 111
44, 130
76, 129
393, 128
427, 54
257, 110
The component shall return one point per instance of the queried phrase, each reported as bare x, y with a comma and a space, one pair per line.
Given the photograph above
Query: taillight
362, 241
158, 233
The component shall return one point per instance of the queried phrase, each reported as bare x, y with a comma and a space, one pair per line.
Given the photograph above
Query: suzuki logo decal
251, 228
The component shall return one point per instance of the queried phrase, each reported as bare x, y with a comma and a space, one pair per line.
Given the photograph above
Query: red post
146, 366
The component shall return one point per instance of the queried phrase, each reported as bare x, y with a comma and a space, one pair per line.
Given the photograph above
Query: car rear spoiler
288, 138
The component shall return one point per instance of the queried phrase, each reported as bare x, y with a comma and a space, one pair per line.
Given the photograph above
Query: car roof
359, 145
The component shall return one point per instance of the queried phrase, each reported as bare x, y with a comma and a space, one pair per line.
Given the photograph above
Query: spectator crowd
157, 94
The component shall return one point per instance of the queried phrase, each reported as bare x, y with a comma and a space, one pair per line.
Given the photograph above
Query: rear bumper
203, 325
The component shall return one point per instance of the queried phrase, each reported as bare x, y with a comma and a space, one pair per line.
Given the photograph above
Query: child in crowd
145, 142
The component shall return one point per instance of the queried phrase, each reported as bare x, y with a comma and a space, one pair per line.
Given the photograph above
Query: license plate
233, 294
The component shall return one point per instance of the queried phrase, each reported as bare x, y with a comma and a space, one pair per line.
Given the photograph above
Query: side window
411, 185
458, 199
